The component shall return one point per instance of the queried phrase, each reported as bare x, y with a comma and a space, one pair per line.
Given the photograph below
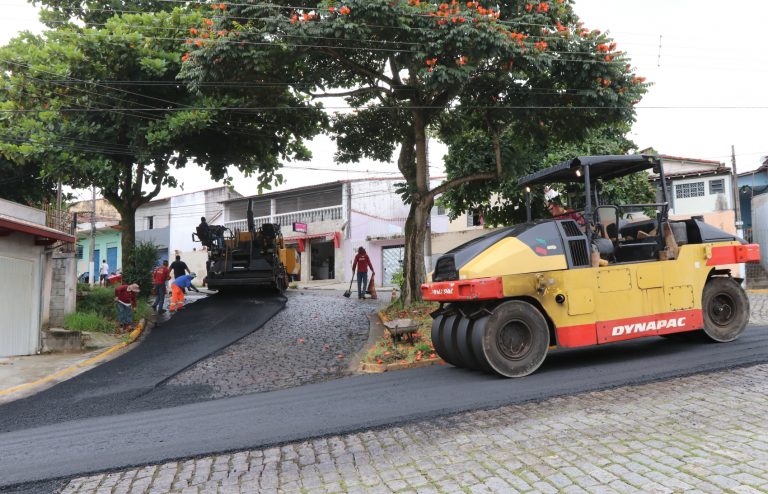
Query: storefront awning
43, 235
301, 239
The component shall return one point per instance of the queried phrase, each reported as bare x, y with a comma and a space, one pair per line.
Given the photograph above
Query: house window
150, 222
79, 251
695, 189
717, 186
474, 218
440, 210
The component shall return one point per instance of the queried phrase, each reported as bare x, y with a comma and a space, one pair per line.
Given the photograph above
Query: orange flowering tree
404, 66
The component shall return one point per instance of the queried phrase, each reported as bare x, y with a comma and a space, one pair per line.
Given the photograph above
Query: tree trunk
128, 229
414, 271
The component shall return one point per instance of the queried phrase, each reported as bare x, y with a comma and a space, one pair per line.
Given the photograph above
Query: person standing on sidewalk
177, 291
161, 275
125, 297
361, 264
103, 273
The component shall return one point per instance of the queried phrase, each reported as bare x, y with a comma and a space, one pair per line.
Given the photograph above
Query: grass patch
89, 321
96, 305
388, 351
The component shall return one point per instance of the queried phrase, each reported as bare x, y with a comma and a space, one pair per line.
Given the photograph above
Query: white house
170, 222
342, 216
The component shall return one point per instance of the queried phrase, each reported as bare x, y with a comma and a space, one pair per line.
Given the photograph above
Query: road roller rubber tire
464, 344
475, 343
448, 341
726, 309
515, 339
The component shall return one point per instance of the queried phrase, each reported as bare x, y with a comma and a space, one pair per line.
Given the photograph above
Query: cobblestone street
703, 433
311, 340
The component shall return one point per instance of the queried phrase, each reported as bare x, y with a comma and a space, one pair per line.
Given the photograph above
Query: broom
348, 293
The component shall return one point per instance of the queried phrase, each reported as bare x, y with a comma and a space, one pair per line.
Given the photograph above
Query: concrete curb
375, 332
71, 370
378, 368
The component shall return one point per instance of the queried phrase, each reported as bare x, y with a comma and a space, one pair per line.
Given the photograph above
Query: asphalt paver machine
510, 296
256, 257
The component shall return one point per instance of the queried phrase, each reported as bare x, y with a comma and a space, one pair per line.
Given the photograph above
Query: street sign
300, 227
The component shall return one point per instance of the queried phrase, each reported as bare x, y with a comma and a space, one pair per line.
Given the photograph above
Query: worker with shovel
361, 264
177, 291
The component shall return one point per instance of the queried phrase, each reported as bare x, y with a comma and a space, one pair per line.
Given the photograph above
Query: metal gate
18, 331
392, 260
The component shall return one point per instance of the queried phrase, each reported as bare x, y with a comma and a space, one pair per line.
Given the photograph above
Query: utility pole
737, 205
91, 264
428, 239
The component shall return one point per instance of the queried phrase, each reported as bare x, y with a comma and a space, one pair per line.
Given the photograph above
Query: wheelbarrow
400, 328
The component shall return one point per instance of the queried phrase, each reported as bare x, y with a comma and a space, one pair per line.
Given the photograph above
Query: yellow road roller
587, 277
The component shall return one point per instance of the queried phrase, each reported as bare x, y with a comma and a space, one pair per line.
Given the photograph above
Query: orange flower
185, 57
528, 7
193, 31
331, 9
344, 10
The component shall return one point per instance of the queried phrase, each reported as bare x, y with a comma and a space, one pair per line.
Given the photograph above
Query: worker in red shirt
361, 264
125, 297
159, 277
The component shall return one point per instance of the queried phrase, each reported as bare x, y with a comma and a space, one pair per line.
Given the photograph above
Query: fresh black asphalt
346, 405
117, 386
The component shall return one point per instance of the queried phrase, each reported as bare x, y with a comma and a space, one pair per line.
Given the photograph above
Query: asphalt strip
199, 330
348, 405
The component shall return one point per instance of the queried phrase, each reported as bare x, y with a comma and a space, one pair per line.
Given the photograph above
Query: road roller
599, 274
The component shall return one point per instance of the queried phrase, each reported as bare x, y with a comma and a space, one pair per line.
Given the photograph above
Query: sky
707, 61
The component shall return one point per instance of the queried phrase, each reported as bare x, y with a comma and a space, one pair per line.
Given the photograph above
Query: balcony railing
285, 219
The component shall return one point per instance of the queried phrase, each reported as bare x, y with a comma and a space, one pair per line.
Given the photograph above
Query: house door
322, 262
96, 264
392, 260
18, 331
112, 259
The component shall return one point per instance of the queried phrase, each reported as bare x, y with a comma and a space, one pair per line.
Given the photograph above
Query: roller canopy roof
605, 167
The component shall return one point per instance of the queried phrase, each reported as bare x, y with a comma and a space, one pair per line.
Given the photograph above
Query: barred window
717, 186
695, 189
440, 210
79, 251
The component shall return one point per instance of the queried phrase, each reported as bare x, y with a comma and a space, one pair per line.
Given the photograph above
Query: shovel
348, 293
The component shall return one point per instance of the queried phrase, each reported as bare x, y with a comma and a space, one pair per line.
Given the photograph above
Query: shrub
142, 259
100, 300
88, 321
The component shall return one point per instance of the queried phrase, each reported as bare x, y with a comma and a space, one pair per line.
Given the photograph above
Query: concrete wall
159, 211
19, 211
760, 226
707, 202
186, 211
63, 288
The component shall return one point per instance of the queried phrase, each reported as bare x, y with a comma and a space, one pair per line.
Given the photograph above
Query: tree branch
375, 89
395, 71
357, 68
458, 181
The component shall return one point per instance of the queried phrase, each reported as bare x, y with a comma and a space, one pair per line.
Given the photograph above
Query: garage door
18, 331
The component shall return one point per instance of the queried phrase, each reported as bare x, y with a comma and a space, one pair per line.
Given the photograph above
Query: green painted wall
104, 240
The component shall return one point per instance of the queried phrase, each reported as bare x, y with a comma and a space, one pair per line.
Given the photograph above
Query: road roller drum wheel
441, 326
514, 340
726, 309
